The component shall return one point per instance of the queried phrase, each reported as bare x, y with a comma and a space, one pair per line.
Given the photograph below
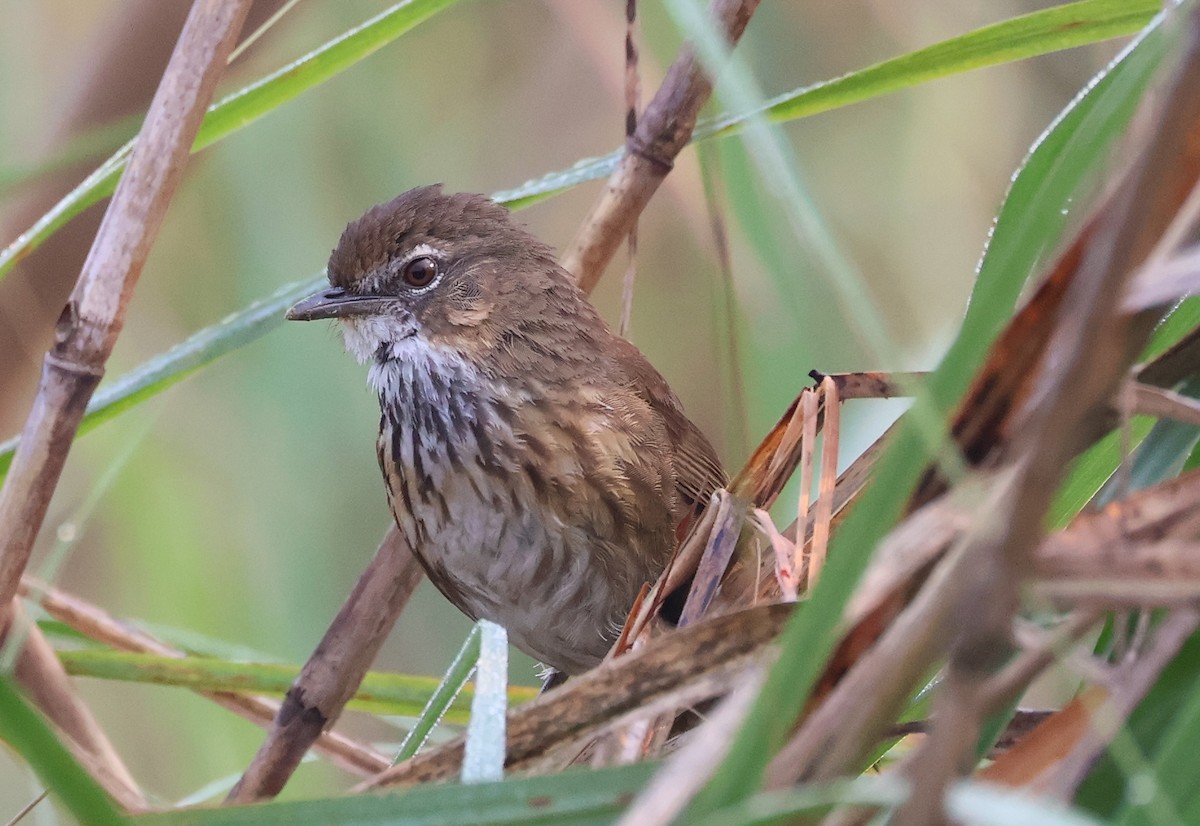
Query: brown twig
335, 669
1127, 687
645, 682
665, 128
98, 625
1165, 404
665, 797
633, 95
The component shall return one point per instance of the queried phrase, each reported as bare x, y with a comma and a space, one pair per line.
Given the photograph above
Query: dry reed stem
808, 439
96, 624
633, 94
1165, 404
1093, 346
335, 669
668, 793
665, 128
823, 511
650, 680
92, 320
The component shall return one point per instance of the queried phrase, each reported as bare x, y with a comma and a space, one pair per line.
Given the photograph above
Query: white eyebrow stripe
375, 280
422, 249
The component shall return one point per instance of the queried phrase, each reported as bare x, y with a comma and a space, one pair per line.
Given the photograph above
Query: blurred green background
243, 504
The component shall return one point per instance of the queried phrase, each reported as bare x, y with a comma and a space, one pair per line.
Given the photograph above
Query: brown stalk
669, 792
872, 385
633, 95
93, 318
1165, 404
96, 624
644, 682
1093, 346
335, 669
665, 128
822, 520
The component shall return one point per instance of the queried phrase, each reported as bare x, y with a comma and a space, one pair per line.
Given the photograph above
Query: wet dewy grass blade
443, 696
483, 757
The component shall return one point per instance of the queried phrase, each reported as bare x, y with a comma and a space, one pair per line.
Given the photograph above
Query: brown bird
536, 463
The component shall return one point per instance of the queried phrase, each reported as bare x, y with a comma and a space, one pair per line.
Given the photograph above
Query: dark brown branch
335, 669
664, 129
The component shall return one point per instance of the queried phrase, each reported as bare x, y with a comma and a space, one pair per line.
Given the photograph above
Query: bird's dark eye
420, 272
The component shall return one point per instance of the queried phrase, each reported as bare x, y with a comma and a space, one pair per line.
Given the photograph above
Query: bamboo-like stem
335, 669
93, 318
84, 337
664, 129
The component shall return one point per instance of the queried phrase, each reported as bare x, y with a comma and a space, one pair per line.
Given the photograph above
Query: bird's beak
335, 303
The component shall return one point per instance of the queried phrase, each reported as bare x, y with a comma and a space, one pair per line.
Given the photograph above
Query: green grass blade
1071, 149
1050, 30
980, 804
380, 693
24, 730
572, 798
239, 110
443, 697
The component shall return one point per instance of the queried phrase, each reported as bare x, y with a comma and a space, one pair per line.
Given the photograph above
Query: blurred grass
251, 508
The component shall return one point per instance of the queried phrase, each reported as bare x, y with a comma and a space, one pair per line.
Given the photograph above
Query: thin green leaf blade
572, 798
443, 697
1049, 30
165, 370
1061, 159
31, 736
380, 692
